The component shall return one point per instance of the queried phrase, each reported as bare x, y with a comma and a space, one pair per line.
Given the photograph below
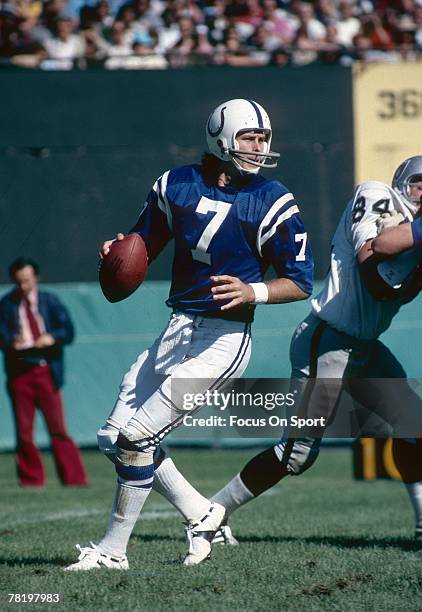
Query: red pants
28, 391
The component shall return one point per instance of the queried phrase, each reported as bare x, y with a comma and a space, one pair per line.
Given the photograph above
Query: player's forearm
284, 290
394, 241
395, 270
383, 276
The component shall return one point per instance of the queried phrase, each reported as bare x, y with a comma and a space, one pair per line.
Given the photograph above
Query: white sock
415, 493
233, 495
178, 491
127, 505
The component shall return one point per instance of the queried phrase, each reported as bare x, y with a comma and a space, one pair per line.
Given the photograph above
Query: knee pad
134, 465
297, 455
106, 439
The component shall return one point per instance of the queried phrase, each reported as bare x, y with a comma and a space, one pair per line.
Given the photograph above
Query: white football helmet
225, 123
408, 170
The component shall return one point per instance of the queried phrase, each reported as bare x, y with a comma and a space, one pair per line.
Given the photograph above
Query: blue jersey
417, 232
223, 230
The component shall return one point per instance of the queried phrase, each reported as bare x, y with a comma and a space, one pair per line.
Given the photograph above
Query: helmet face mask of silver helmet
227, 121
406, 173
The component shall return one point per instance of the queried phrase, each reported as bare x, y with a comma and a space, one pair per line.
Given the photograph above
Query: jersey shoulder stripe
287, 214
160, 188
282, 209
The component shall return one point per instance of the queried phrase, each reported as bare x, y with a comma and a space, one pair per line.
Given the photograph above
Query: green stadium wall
110, 336
80, 150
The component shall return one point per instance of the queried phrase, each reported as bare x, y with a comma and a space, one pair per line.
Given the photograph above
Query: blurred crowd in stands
136, 34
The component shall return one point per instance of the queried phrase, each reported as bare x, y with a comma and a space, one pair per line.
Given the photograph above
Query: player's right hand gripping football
105, 249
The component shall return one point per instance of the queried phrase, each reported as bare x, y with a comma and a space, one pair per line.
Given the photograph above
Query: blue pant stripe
133, 472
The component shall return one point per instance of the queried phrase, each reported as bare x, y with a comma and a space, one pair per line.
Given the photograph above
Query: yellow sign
374, 459
387, 109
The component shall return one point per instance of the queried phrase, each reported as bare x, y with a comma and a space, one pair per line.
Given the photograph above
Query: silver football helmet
225, 123
408, 171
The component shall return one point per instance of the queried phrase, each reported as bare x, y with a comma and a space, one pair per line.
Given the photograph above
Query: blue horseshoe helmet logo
220, 127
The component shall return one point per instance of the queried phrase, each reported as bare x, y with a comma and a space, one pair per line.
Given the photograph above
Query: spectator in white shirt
65, 45
348, 25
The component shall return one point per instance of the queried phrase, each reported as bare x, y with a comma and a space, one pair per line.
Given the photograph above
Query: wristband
261, 292
416, 227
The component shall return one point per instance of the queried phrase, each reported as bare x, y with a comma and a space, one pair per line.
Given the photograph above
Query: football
124, 268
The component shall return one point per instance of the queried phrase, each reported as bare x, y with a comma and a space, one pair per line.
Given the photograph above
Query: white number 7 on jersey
301, 238
221, 210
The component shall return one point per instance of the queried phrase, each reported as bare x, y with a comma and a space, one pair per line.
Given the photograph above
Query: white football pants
192, 355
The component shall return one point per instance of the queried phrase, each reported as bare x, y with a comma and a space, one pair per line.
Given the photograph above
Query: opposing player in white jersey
400, 237
229, 224
339, 339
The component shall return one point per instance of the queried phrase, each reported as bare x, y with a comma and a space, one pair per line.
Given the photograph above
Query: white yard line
148, 515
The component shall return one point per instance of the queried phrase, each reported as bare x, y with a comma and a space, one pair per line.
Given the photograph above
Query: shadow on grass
336, 541
406, 544
10, 561
36, 561
150, 537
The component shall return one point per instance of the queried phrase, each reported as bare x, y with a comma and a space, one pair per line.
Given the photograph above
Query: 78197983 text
31, 598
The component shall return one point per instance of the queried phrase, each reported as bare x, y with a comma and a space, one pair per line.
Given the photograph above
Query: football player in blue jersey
228, 224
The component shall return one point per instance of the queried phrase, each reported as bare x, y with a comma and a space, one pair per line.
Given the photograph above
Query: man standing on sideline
34, 327
229, 224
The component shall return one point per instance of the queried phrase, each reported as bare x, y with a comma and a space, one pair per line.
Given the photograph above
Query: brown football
124, 268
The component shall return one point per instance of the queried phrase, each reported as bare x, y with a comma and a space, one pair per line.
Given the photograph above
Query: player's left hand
232, 288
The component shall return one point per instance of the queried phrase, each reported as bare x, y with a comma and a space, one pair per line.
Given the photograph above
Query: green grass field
319, 542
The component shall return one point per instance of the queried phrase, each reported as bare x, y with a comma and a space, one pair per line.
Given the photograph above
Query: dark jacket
57, 322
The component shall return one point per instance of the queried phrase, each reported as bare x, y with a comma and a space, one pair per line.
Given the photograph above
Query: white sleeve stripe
270, 214
164, 180
293, 210
162, 198
274, 209
287, 197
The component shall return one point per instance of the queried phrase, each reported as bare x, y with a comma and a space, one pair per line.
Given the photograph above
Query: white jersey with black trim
344, 302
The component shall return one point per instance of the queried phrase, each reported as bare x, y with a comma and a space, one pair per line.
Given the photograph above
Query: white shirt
344, 301
347, 30
72, 48
25, 329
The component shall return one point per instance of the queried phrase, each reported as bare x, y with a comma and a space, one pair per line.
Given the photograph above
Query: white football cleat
92, 558
225, 536
200, 533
